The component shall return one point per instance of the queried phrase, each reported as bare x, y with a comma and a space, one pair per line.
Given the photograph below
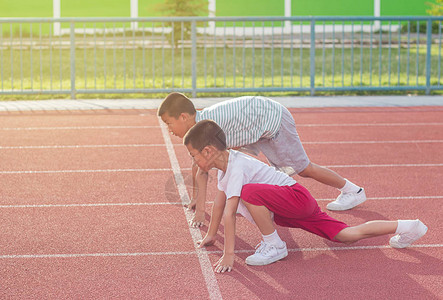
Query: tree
182, 8
436, 9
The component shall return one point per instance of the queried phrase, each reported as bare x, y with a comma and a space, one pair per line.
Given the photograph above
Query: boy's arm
199, 184
226, 262
216, 216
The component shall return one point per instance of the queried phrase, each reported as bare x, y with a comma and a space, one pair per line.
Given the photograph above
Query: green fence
217, 55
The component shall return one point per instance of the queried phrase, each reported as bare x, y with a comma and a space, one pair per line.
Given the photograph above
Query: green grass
77, 8
25, 8
111, 8
165, 68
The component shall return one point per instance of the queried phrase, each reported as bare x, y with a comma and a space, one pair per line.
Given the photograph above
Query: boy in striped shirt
254, 124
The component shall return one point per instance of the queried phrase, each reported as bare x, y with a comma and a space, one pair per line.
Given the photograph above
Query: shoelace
267, 249
350, 193
406, 237
345, 196
260, 247
263, 248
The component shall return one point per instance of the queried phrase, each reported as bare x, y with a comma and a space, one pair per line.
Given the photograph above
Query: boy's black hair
176, 104
205, 132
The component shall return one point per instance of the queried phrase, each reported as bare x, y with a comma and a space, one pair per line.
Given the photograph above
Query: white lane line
76, 128
370, 124
180, 203
188, 169
162, 145
205, 263
129, 254
82, 146
342, 248
142, 127
78, 255
384, 165
391, 198
89, 204
86, 171
374, 142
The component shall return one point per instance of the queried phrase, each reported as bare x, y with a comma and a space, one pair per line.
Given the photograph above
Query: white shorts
284, 151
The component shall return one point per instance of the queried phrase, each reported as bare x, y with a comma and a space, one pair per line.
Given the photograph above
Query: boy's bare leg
194, 170
351, 195
366, 230
406, 232
262, 217
200, 182
272, 248
323, 175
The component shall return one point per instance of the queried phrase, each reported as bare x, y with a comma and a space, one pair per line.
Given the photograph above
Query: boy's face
201, 158
177, 127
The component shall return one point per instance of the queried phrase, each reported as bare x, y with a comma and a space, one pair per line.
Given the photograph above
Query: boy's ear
206, 151
184, 116
209, 151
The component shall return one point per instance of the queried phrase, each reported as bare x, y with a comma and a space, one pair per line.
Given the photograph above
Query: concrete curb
290, 102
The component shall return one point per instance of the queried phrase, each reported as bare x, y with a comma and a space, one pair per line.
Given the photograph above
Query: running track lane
84, 244
383, 273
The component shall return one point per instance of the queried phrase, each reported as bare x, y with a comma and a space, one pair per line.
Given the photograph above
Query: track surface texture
91, 208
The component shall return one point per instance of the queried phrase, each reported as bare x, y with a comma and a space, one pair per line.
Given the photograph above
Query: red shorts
293, 206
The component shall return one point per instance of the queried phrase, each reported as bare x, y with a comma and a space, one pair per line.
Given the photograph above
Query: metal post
288, 13
312, 57
56, 14
211, 10
428, 55
377, 14
73, 92
194, 58
134, 14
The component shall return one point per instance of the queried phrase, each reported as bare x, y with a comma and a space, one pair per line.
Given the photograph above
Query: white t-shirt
243, 169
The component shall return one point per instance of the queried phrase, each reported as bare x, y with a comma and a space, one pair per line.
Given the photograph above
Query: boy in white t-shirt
272, 196
255, 124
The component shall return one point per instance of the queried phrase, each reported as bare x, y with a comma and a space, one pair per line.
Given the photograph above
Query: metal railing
219, 55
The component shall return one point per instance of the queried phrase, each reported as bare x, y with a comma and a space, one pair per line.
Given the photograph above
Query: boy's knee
344, 239
307, 172
347, 236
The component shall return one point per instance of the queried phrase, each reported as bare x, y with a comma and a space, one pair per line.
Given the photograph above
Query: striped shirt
245, 120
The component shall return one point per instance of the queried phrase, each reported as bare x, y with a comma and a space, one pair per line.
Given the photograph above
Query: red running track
90, 208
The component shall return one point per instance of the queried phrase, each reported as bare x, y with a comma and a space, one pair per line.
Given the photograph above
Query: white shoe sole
337, 207
268, 261
422, 229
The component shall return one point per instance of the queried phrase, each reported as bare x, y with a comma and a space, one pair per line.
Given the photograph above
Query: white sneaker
348, 200
403, 240
267, 254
